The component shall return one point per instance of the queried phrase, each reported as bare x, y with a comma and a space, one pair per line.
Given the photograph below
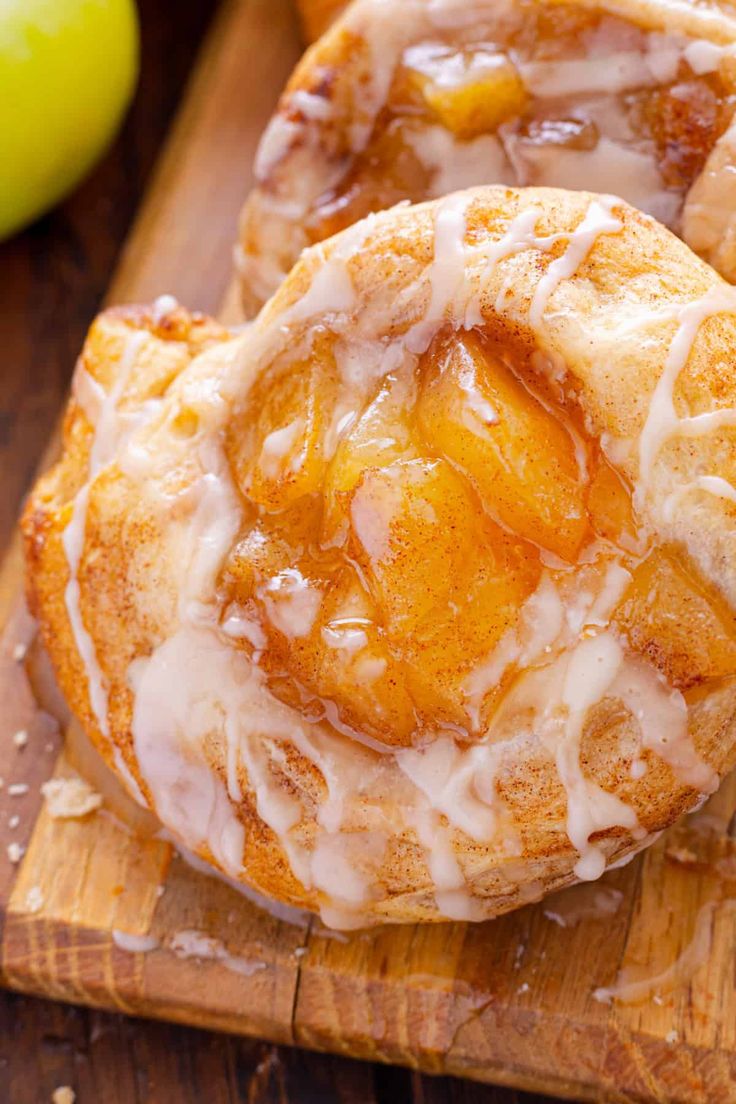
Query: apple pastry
414, 599
418, 99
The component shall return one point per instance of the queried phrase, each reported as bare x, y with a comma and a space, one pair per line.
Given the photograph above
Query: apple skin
68, 69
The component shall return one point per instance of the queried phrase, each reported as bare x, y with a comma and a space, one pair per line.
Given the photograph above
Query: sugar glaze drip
694, 955
106, 441
662, 421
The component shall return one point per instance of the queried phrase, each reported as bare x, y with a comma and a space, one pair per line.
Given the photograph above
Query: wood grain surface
509, 1002
316, 15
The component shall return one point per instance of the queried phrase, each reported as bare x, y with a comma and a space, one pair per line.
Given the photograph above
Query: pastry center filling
406, 562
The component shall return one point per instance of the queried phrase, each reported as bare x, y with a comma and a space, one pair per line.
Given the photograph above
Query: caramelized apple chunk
470, 92
381, 435
345, 661
518, 455
387, 171
685, 120
672, 618
276, 447
610, 507
318, 632
448, 581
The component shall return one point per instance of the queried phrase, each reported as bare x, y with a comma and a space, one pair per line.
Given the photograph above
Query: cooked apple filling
391, 547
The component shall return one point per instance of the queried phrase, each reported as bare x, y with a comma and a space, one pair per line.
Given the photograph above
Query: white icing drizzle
278, 448
275, 143
662, 716
678, 972
447, 273
164, 305
615, 582
448, 881
450, 780
244, 625
346, 637
712, 484
175, 711
128, 777
598, 220
331, 289
717, 486
547, 625
562, 694
662, 421
191, 943
581, 76
105, 443
88, 393
291, 602
133, 942
622, 71
581, 903
170, 739
610, 167
518, 237
706, 57
310, 105
456, 165
591, 669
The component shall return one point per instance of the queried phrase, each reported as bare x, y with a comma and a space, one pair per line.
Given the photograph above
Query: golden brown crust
611, 321
172, 339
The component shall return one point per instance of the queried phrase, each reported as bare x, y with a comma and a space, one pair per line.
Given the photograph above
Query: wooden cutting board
316, 16
509, 1001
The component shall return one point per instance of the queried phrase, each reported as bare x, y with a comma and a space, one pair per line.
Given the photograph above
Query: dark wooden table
52, 278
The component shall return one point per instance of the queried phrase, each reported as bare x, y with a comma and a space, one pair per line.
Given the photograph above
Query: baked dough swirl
418, 99
415, 599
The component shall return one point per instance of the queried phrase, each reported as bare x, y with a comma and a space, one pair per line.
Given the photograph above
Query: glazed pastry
415, 100
415, 599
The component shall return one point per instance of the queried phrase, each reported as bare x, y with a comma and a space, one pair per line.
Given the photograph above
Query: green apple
67, 71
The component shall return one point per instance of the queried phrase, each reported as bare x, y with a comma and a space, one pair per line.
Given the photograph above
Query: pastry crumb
13, 821
671, 1037
19, 652
682, 855
67, 798
34, 899
15, 852
63, 1095
20, 738
18, 789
